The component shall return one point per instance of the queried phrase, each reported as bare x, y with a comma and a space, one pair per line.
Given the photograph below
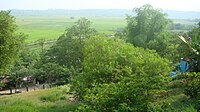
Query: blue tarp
184, 66
173, 74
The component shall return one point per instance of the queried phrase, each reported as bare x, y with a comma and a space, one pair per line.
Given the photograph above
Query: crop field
184, 22
51, 27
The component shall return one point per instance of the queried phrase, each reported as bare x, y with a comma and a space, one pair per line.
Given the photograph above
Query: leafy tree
166, 45
68, 49
22, 67
190, 48
126, 77
10, 41
67, 52
53, 73
195, 35
81, 29
41, 43
192, 79
144, 27
192, 88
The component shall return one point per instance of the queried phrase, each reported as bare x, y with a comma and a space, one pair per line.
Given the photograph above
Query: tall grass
49, 100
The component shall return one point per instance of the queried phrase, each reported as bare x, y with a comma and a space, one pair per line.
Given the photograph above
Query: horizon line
92, 9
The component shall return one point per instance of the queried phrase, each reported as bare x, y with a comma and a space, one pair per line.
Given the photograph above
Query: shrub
118, 76
192, 88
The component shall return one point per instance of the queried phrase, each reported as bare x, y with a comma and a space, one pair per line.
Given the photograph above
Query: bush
192, 88
119, 77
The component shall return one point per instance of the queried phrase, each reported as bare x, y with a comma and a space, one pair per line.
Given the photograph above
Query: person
183, 66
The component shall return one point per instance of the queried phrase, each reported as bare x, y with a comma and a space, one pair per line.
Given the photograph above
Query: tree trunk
10, 90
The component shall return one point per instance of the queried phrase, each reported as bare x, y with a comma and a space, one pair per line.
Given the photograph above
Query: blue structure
173, 74
184, 66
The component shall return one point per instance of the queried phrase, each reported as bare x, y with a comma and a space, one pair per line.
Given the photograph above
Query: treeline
179, 26
127, 72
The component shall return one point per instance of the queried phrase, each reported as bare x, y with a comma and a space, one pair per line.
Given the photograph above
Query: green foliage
22, 67
25, 62
81, 29
10, 41
126, 78
166, 45
68, 50
195, 37
52, 73
144, 27
191, 48
192, 88
181, 26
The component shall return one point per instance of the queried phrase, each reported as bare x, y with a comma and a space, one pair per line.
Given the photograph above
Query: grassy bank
48, 100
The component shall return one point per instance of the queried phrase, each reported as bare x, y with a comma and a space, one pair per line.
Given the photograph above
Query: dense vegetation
127, 72
10, 41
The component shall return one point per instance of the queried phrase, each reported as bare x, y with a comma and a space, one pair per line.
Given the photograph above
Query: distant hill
85, 12
101, 12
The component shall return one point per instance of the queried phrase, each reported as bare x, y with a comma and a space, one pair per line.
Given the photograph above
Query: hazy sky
182, 5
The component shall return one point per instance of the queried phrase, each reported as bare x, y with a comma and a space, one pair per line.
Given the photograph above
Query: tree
195, 36
81, 29
166, 45
144, 27
52, 73
10, 41
126, 77
23, 66
195, 45
41, 43
68, 49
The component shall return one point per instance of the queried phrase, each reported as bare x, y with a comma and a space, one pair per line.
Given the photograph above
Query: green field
51, 27
184, 22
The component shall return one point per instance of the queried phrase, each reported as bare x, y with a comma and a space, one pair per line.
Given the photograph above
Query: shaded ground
24, 89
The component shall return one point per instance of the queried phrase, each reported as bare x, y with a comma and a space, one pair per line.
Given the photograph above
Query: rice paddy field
51, 27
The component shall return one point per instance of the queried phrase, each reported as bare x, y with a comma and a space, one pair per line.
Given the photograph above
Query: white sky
181, 5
